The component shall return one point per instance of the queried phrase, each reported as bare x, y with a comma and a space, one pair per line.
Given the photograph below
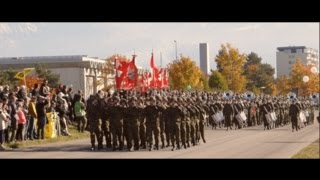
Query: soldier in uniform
228, 112
116, 111
183, 130
142, 128
175, 122
294, 113
105, 126
132, 124
152, 112
94, 122
163, 118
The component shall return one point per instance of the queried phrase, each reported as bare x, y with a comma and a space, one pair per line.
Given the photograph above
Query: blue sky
104, 39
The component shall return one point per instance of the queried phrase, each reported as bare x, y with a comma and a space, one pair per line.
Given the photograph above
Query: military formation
130, 120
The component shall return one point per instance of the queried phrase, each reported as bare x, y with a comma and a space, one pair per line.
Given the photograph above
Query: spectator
79, 109
35, 90
33, 115
21, 122
4, 118
41, 114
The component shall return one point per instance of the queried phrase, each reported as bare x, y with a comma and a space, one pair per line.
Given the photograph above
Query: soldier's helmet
174, 99
133, 99
123, 101
158, 97
116, 98
152, 99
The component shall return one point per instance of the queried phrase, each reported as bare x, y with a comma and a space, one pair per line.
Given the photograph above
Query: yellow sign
27, 70
19, 75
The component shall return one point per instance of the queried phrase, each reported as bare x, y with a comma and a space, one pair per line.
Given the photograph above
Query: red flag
121, 73
132, 74
155, 73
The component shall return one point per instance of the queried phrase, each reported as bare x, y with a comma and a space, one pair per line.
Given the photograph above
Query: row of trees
240, 72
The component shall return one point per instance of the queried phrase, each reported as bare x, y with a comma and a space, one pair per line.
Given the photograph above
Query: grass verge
72, 129
309, 152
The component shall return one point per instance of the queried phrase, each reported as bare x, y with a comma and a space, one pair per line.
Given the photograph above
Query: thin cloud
28, 27
5, 28
7, 42
248, 27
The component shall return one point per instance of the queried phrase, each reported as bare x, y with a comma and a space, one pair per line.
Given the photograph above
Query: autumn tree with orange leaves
230, 63
185, 72
298, 72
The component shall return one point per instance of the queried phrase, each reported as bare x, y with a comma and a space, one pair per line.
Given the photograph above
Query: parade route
251, 142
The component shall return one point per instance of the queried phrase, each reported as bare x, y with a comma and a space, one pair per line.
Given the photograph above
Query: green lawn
309, 152
72, 129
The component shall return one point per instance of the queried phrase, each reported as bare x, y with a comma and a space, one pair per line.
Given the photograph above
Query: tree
184, 72
298, 72
217, 81
282, 85
265, 78
7, 78
204, 84
230, 64
43, 72
258, 74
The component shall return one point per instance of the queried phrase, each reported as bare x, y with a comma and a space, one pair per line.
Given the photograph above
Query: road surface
245, 143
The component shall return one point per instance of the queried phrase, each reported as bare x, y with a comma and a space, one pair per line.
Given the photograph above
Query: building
204, 58
287, 56
80, 71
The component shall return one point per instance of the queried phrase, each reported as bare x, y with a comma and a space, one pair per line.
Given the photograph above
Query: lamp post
175, 42
116, 72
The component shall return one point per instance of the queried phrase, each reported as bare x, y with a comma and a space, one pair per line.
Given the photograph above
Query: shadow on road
78, 148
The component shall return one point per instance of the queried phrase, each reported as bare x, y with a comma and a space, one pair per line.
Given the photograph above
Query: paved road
245, 143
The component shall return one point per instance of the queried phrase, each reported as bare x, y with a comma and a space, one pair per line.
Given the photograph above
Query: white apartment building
287, 56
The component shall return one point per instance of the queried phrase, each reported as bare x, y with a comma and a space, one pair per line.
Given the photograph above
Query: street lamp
175, 42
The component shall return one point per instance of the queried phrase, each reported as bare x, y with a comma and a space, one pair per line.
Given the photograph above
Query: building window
293, 50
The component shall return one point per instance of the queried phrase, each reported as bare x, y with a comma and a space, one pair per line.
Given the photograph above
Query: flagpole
160, 59
24, 78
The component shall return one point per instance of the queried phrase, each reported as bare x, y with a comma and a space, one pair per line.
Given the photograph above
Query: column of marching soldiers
159, 119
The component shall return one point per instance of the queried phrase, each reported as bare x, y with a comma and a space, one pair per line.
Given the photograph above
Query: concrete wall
71, 76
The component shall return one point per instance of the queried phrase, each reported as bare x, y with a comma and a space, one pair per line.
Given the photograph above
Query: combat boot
100, 147
144, 147
184, 146
93, 148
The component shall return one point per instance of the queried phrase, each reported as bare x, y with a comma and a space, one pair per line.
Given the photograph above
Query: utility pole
175, 42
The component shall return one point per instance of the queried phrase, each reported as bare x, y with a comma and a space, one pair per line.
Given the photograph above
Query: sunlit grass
72, 129
309, 152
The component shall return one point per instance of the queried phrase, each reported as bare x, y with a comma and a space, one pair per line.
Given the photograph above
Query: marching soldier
294, 113
94, 122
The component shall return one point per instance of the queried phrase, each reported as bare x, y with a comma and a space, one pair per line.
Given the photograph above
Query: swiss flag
155, 73
132, 74
121, 69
